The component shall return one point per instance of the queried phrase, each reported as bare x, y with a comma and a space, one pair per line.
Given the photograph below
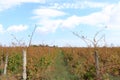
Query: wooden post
24, 65
6, 63
97, 65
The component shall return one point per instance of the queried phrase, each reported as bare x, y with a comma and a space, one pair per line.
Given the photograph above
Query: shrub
15, 63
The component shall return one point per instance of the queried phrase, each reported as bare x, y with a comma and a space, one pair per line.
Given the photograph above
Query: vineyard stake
24, 65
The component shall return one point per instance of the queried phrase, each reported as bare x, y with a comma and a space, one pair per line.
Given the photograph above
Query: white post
6, 63
24, 65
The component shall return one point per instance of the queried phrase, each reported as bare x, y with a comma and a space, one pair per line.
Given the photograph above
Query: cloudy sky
57, 19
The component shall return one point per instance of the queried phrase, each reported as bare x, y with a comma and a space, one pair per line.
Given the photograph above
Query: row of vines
39, 62
76, 63
81, 63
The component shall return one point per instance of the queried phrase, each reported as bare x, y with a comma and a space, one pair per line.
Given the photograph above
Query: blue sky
57, 19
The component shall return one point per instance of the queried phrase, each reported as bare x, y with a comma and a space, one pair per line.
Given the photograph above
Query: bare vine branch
88, 42
18, 42
81, 37
32, 35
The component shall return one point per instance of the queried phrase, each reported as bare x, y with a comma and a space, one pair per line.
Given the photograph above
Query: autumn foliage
78, 62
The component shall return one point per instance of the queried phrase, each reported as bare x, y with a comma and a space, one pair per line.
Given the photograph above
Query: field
60, 63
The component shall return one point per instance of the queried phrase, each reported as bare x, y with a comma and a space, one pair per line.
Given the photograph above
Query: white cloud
70, 22
6, 4
46, 19
109, 16
78, 5
50, 19
17, 28
1, 29
47, 13
90, 4
49, 26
